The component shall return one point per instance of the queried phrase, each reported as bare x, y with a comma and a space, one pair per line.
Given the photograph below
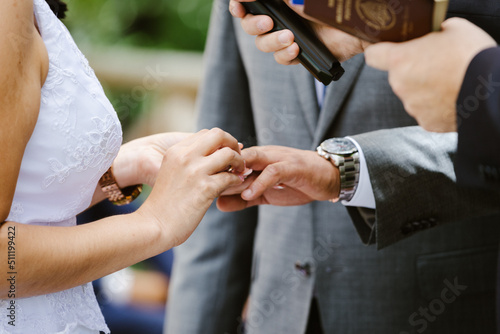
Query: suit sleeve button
425, 224
416, 226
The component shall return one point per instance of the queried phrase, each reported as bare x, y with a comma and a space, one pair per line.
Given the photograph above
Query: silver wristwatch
343, 153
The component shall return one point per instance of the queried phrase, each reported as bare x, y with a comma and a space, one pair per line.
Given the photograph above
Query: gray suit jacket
440, 280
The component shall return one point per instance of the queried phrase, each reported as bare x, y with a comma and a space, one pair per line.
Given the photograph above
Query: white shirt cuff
363, 197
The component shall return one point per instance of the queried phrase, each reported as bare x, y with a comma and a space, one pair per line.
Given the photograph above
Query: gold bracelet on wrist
115, 194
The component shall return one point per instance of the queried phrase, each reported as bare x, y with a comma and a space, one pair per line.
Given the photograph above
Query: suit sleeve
415, 187
212, 270
478, 117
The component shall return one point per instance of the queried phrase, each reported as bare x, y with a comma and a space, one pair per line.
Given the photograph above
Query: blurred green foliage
165, 24
156, 24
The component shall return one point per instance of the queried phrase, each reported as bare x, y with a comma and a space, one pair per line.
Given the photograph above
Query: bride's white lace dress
75, 140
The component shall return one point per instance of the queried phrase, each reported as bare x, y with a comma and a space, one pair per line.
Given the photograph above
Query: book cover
380, 20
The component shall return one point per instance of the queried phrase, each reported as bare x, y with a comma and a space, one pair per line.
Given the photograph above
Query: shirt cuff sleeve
363, 197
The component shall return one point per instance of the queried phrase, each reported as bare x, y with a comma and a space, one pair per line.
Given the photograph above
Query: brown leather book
380, 20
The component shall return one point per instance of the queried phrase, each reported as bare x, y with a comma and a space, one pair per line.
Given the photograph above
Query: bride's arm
49, 259
38, 260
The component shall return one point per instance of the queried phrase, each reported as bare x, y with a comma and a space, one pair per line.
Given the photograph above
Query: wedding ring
229, 169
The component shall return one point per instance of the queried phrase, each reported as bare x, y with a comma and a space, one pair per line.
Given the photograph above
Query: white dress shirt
363, 197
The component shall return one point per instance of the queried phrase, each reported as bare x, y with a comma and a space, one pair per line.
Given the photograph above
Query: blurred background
148, 56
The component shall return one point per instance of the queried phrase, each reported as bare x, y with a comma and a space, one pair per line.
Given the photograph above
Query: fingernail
247, 172
231, 9
242, 178
246, 194
284, 38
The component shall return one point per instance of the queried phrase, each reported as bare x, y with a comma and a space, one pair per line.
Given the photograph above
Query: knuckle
282, 57
205, 186
396, 58
227, 178
396, 85
243, 24
172, 151
249, 155
251, 152
179, 155
410, 109
272, 170
233, 180
203, 132
260, 44
217, 132
228, 155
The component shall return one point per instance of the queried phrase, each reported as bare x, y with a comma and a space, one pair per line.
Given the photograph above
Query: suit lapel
336, 93
306, 94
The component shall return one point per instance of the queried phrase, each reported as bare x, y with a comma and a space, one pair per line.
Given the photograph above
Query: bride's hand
139, 160
192, 175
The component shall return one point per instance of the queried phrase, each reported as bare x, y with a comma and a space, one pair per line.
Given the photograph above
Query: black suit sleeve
478, 118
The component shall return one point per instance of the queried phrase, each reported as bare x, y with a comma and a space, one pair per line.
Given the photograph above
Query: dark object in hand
380, 20
313, 54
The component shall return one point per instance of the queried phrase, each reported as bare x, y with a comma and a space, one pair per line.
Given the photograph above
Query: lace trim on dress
94, 147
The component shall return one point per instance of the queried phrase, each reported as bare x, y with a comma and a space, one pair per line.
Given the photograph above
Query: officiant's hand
427, 73
282, 176
342, 45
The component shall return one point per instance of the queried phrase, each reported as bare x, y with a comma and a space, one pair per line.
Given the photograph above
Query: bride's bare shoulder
20, 41
23, 60
16, 17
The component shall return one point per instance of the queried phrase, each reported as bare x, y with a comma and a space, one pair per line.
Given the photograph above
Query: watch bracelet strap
349, 176
114, 193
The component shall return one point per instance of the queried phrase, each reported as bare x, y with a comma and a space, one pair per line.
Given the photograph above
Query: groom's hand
283, 176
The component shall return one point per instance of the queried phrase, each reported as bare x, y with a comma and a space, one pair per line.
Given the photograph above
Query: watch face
340, 146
